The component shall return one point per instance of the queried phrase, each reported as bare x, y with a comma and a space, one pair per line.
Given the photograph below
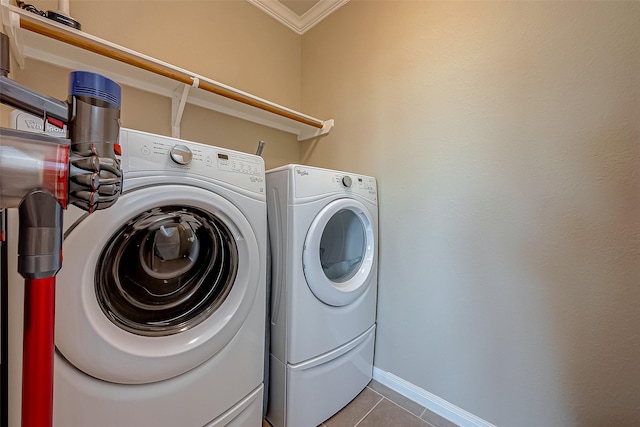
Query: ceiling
299, 15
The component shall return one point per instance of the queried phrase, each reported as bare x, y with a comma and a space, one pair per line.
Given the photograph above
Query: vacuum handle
18, 96
23, 98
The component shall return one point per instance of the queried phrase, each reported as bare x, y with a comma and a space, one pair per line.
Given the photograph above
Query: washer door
155, 285
339, 252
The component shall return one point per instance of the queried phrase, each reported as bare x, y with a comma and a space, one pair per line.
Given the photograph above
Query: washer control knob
181, 154
346, 181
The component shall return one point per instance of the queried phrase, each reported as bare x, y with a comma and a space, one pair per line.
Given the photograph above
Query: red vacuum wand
39, 260
37, 381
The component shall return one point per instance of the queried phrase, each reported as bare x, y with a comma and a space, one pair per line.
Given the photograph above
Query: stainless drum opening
166, 270
342, 246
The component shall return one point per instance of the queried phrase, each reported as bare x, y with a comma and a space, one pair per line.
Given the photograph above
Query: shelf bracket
11, 24
315, 133
178, 102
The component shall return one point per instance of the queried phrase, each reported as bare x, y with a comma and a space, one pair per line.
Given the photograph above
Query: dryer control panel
144, 151
311, 181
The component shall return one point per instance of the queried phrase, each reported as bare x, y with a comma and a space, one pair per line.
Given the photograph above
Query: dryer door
156, 285
339, 251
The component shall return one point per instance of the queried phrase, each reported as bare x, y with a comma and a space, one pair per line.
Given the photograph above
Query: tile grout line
409, 412
379, 394
368, 412
424, 410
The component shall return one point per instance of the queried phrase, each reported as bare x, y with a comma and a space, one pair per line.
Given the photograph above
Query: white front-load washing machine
160, 302
323, 228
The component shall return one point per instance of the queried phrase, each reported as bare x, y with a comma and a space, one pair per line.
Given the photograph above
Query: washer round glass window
342, 246
166, 270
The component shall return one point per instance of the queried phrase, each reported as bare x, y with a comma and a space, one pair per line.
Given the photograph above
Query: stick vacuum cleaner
41, 175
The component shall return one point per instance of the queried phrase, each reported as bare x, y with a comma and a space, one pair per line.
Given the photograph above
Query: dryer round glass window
338, 255
166, 270
342, 246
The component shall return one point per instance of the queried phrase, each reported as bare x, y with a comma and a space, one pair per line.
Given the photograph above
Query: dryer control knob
181, 154
346, 181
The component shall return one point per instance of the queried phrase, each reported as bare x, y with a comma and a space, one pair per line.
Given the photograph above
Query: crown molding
299, 24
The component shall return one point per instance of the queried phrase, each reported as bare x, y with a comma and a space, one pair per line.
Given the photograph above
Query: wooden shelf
35, 37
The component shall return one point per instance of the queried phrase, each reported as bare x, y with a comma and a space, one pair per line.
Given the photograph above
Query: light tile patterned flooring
379, 406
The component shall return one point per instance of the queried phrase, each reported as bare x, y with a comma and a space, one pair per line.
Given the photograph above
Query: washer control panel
243, 165
181, 154
148, 152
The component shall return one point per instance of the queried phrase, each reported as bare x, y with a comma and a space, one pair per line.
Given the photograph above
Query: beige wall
229, 41
506, 140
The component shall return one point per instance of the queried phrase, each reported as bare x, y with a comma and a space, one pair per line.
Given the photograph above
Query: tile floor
379, 406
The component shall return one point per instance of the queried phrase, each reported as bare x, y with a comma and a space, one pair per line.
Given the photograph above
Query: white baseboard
429, 400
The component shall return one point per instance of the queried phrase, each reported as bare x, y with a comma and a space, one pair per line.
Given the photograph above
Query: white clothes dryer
160, 303
323, 226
